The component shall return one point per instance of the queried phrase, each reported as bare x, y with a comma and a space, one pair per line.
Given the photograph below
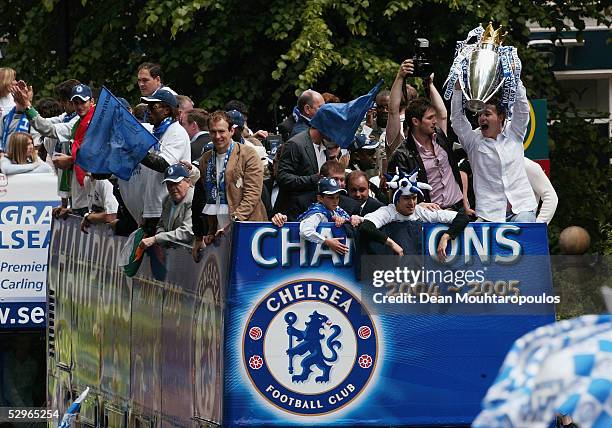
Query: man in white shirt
495, 151
144, 192
102, 204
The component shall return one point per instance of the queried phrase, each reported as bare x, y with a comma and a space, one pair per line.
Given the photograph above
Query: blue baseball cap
329, 186
161, 96
81, 91
236, 117
175, 173
363, 142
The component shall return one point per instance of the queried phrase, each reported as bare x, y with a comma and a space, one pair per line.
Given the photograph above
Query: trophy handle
467, 97
495, 91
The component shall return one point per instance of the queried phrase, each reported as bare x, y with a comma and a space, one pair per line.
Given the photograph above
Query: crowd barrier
270, 330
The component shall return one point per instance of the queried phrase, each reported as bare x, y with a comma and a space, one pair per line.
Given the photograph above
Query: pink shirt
445, 190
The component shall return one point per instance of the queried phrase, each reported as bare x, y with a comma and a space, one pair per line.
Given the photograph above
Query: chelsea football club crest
310, 347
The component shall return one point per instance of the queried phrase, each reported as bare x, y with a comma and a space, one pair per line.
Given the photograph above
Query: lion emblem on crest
309, 342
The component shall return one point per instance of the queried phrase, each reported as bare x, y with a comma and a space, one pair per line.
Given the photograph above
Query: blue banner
23, 315
306, 343
115, 141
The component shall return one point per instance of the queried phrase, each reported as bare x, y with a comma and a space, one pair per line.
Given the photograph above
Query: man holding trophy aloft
495, 150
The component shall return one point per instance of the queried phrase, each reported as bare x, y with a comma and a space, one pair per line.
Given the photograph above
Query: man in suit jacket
358, 188
196, 125
175, 222
300, 162
230, 185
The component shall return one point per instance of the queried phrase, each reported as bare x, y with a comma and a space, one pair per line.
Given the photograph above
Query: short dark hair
64, 89
153, 69
140, 111
237, 105
411, 93
220, 115
416, 109
199, 116
496, 102
49, 107
383, 93
329, 167
330, 98
354, 175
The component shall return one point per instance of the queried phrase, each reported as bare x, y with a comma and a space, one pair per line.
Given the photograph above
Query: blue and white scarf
214, 189
159, 130
22, 126
69, 117
319, 208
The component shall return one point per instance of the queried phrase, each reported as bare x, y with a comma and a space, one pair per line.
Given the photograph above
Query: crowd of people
210, 169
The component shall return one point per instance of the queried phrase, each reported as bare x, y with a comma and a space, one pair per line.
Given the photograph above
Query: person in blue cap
325, 209
143, 192
175, 224
363, 153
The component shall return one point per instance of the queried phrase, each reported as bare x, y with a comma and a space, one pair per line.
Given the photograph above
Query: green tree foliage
264, 52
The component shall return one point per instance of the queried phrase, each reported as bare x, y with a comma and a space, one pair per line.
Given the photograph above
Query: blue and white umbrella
561, 368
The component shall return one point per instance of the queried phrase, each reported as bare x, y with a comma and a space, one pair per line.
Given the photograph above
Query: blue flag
115, 141
339, 121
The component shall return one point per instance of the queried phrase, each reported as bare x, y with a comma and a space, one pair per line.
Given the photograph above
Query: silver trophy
483, 79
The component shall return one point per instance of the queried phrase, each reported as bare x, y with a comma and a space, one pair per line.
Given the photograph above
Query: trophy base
475, 105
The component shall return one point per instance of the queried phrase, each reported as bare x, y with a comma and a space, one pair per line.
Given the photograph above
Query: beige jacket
243, 184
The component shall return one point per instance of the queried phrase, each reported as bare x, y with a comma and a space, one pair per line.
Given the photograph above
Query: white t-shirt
219, 209
100, 196
144, 192
78, 193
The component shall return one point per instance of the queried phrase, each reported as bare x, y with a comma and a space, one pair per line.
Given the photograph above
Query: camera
422, 66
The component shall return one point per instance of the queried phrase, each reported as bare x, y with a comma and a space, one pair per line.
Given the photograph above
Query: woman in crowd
7, 78
21, 156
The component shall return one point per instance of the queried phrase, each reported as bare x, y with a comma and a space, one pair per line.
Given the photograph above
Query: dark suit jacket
370, 206
298, 171
304, 200
198, 145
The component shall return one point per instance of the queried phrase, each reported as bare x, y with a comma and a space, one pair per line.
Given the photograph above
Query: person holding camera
425, 146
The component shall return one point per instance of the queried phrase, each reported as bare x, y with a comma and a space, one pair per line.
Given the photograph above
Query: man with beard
427, 149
